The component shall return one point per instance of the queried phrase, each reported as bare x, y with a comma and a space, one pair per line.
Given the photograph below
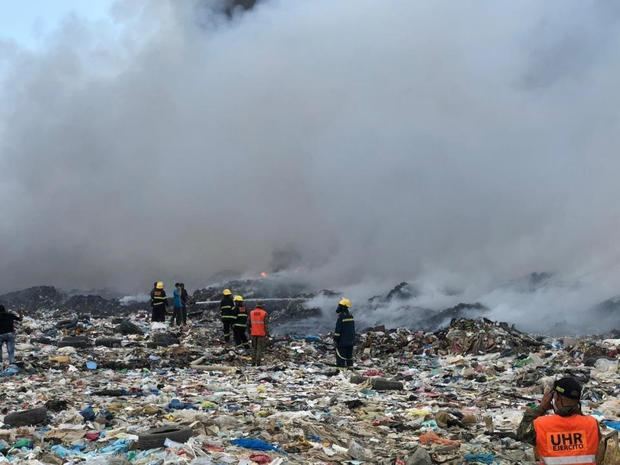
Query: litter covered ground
120, 391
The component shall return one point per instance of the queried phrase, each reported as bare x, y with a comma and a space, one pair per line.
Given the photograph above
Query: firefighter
241, 323
227, 313
159, 302
344, 335
567, 436
259, 331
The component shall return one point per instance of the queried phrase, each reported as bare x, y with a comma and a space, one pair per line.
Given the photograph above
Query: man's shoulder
538, 418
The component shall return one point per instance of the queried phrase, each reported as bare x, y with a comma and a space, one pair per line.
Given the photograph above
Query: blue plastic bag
117, 447
176, 404
254, 444
61, 451
88, 413
12, 370
487, 459
612, 424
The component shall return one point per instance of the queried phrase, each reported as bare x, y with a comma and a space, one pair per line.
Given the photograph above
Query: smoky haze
465, 143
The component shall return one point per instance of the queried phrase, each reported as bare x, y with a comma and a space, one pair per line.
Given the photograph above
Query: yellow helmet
345, 303
160, 285
238, 298
227, 292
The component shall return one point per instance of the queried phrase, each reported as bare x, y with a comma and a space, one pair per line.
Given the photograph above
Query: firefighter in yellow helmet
344, 335
159, 302
228, 314
240, 327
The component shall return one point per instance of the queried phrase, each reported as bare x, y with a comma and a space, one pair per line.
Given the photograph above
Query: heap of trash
119, 390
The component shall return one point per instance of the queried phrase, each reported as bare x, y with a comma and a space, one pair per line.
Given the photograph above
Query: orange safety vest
257, 322
566, 440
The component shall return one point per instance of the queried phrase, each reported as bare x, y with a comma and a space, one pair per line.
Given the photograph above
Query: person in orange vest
259, 332
566, 437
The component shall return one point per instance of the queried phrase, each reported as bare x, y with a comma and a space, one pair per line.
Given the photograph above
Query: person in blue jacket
177, 303
344, 335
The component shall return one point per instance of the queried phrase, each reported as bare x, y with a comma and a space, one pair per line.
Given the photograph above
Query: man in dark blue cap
566, 436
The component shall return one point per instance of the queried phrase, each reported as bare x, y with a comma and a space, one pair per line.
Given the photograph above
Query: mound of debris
34, 298
460, 311
484, 336
253, 289
403, 291
44, 298
462, 336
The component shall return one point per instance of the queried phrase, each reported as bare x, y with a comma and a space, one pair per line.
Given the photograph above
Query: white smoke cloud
382, 140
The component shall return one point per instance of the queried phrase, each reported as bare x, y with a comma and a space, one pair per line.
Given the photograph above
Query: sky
456, 144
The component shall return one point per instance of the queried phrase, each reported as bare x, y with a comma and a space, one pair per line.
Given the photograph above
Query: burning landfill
96, 382
341, 146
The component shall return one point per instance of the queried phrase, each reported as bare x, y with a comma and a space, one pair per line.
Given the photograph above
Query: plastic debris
480, 458
255, 444
414, 397
12, 370
260, 458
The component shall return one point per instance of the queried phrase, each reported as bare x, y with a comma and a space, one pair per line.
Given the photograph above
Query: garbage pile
48, 298
463, 336
121, 391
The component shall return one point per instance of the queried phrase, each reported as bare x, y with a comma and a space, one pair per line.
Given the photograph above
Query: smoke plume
457, 143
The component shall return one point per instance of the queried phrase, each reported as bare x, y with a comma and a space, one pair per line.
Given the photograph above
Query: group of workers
237, 320
159, 304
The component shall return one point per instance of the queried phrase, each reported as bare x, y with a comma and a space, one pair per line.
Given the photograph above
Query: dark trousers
228, 324
159, 313
184, 314
344, 356
241, 337
9, 340
177, 316
258, 348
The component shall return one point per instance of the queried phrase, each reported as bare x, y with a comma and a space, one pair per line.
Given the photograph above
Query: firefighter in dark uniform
240, 326
228, 314
344, 336
159, 302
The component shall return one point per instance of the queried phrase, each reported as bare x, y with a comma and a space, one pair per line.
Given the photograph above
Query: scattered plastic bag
261, 459
256, 444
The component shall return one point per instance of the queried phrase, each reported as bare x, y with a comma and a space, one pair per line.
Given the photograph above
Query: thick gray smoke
459, 143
